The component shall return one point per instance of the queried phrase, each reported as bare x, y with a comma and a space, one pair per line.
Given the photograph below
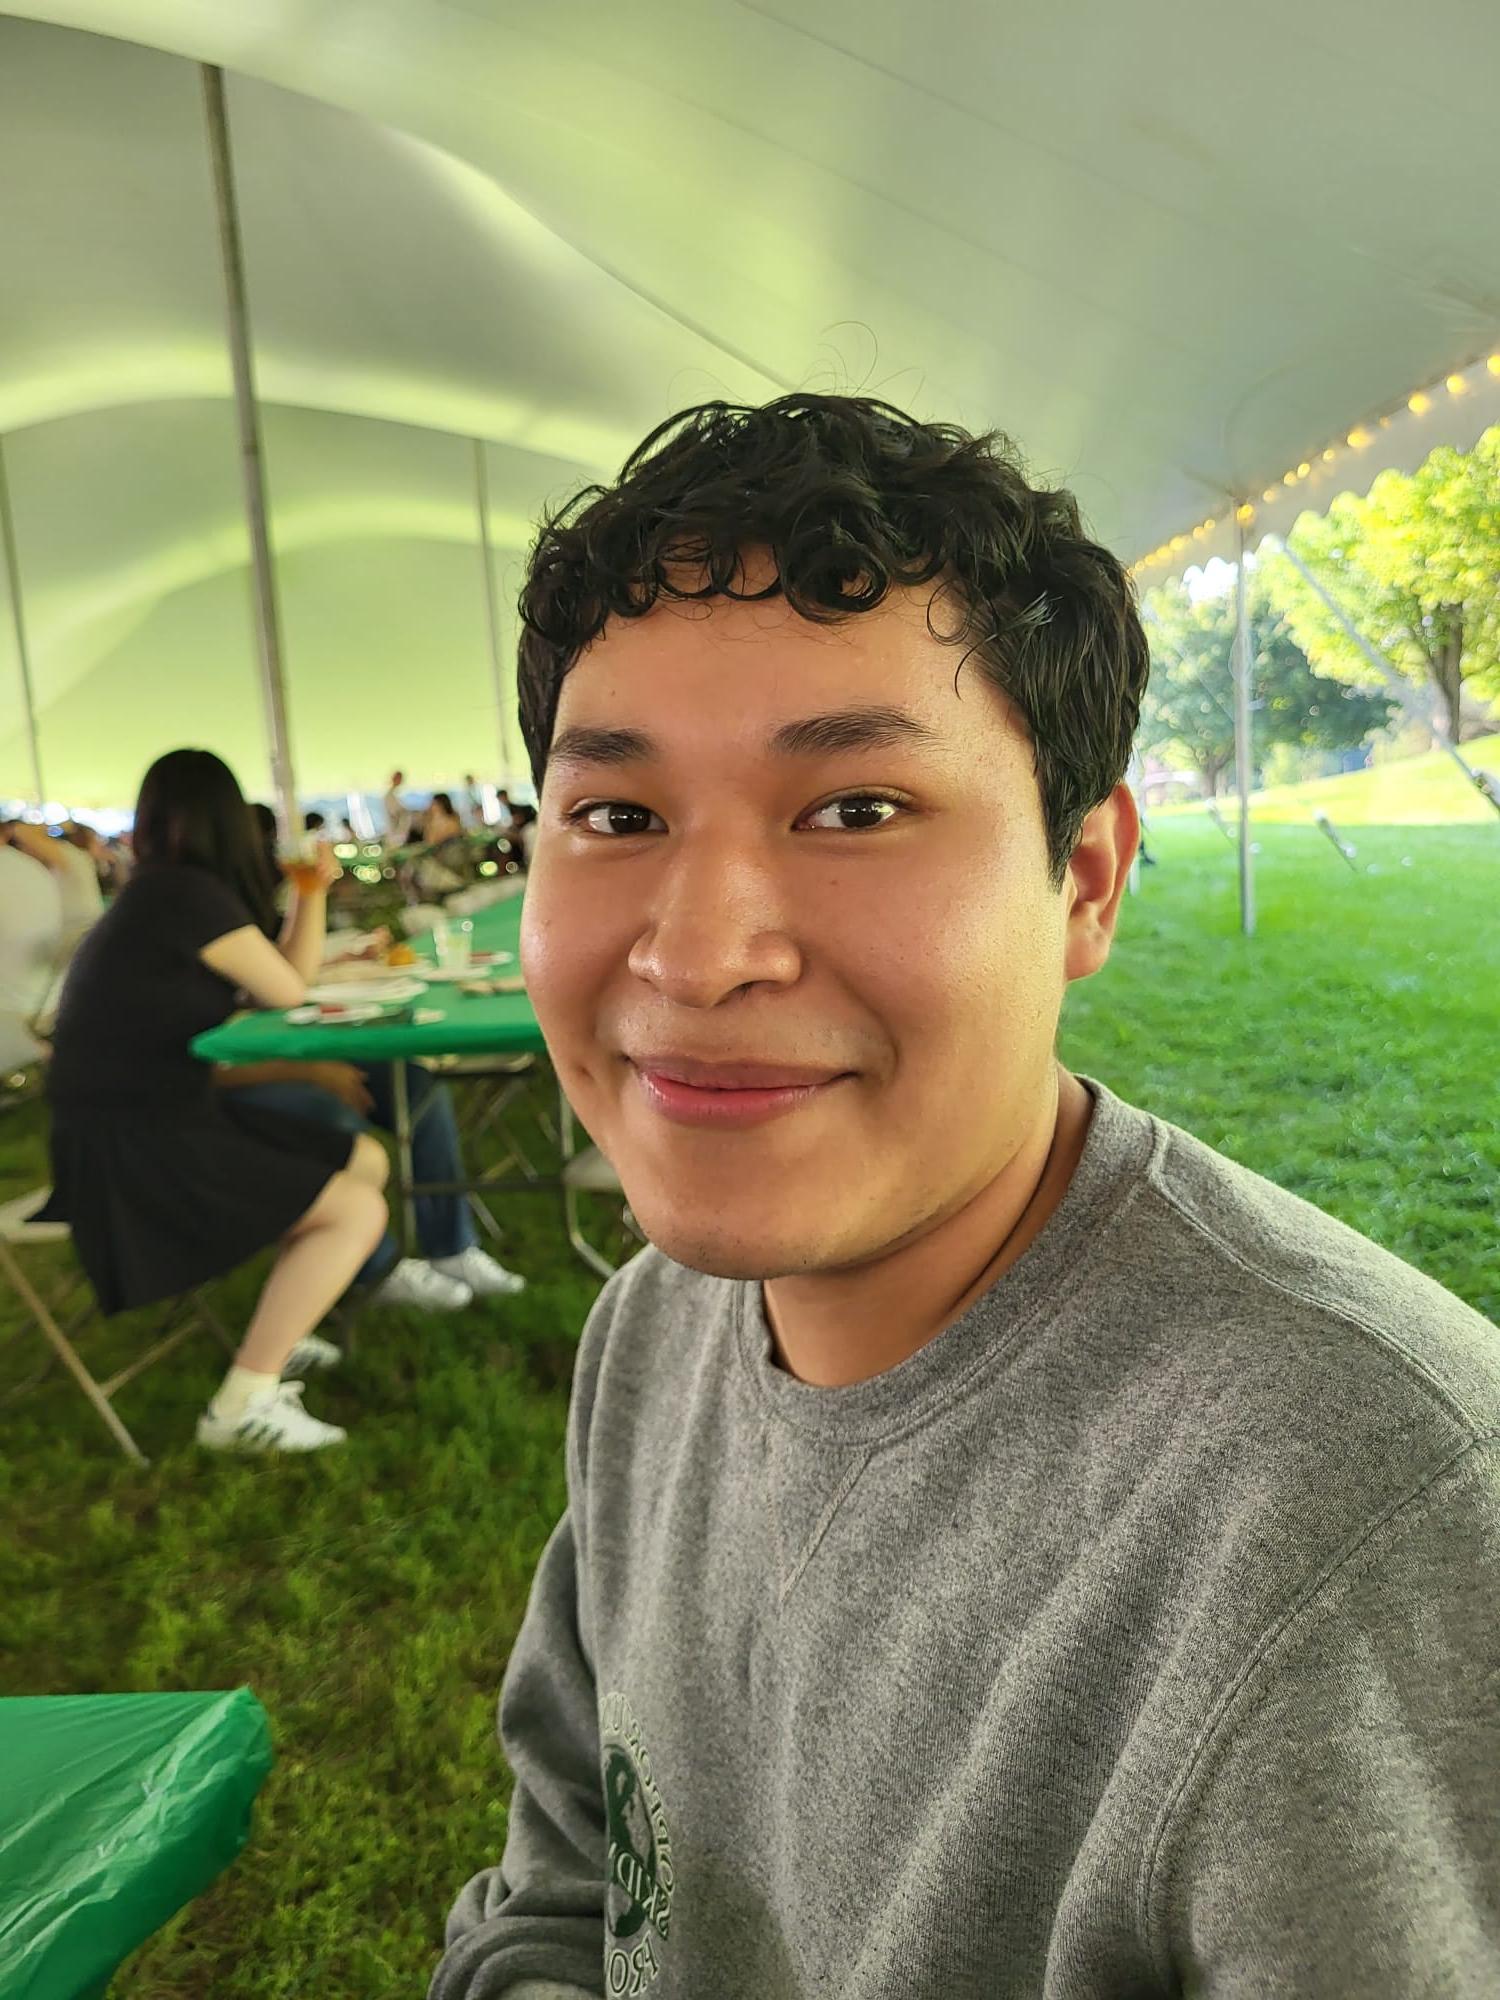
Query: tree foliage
1189, 706
1416, 566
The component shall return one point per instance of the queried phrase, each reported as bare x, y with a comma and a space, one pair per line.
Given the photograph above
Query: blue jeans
444, 1225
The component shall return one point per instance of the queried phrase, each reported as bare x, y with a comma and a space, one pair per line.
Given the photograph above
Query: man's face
730, 910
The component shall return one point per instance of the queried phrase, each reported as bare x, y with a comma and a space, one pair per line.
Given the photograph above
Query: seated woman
452, 1270
441, 820
165, 1181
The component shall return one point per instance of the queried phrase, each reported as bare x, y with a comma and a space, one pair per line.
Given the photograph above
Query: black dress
163, 1179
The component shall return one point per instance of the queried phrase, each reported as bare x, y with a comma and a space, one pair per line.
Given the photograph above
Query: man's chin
698, 1246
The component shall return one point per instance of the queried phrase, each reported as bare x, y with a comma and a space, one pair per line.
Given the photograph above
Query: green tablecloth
502, 1024
115, 1810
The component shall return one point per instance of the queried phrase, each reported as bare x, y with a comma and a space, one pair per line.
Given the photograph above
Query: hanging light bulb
1329, 456
1493, 364
1456, 385
1244, 514
1419, 404
1359, 437
1269, 495
1289, 479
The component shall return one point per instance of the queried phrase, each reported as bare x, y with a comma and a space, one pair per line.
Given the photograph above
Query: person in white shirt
31, 923
397, 816
79, 895
78, 885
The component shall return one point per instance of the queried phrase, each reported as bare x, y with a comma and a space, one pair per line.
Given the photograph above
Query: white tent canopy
1176, 252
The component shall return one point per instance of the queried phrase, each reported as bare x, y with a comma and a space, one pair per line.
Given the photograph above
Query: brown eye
858, 812
620, 819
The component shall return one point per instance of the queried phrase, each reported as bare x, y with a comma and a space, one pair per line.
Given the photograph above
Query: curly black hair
853, 498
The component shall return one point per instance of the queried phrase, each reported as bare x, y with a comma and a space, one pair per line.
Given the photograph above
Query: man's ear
1097, 873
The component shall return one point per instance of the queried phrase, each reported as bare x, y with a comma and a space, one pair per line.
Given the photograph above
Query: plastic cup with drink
454, 938
301, 863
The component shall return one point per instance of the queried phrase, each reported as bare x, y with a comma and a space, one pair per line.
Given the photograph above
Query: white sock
238, 1386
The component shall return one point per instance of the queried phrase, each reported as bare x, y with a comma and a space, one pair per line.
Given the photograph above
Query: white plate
346, 1017
387, 992
479, 968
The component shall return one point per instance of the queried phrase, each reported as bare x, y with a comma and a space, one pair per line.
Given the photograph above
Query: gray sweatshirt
1137, 1636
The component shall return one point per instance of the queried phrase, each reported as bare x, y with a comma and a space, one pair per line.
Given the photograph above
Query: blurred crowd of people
446, 818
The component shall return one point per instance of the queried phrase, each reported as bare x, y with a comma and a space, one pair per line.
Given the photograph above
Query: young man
1011, 1549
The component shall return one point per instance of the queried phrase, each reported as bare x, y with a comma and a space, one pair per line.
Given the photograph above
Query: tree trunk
1448, 669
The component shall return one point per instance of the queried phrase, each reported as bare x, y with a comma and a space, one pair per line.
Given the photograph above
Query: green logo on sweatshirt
638, 1911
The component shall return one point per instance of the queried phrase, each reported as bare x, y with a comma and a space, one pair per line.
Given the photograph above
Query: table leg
405, 1177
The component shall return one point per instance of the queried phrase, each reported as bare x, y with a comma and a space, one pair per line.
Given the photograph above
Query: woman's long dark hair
192, 812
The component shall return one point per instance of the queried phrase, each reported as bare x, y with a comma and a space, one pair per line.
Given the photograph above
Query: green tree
1189, 706
1415, 566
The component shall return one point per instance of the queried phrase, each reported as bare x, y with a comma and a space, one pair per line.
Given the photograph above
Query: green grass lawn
1418, 791
370, 1596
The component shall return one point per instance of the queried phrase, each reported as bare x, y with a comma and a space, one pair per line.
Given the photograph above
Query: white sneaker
478, 1270
274, 1420
311, 1355
413, 1283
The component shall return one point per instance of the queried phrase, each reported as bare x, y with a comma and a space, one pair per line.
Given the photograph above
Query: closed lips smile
729, 1094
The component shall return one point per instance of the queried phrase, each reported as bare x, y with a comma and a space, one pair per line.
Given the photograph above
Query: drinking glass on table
454, 938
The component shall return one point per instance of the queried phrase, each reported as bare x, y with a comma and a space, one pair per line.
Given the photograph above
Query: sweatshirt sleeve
533, 1927
1340, 1836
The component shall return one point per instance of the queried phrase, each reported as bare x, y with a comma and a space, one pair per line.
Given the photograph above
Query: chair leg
581, 1245
69, 1357
142, 1362
215, 1325
485, 1220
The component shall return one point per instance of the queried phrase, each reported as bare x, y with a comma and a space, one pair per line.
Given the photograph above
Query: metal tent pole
491, 606
18, 621
263, 576
1242, 732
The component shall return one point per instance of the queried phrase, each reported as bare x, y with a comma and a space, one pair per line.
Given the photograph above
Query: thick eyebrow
813, 736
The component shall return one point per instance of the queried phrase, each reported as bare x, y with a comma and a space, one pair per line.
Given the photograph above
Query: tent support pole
491, 606
18, 622
1242, 732
247, 412
1400, 686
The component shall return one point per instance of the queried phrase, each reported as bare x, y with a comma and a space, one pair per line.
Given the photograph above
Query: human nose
717, 922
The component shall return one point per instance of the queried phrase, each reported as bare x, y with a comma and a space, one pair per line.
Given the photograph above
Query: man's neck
835, 1328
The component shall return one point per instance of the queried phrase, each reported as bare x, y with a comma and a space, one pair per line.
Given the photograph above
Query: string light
1419, 403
